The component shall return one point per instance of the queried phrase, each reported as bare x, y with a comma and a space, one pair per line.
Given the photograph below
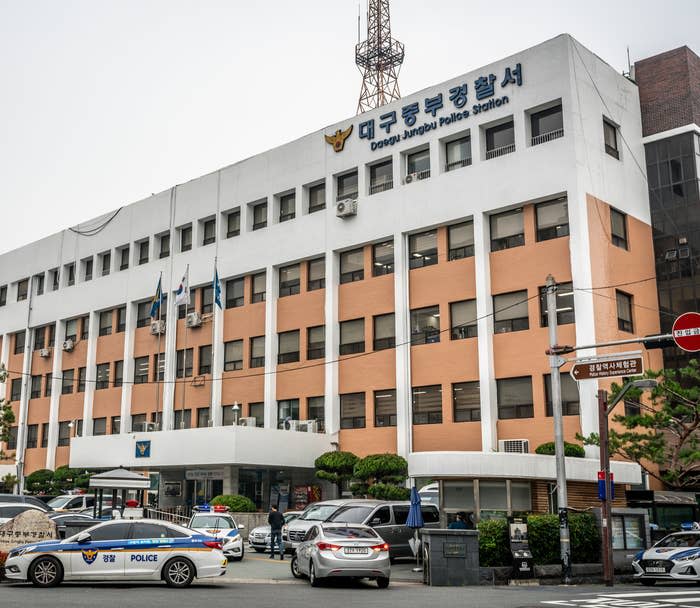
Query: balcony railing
545, 137
502, 151
381, 187
456, 164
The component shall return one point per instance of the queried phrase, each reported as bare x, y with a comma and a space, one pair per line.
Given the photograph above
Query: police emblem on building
337, 140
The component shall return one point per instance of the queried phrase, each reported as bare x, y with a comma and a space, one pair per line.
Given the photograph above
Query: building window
287, 409
102, 376
87, 269
36, 387
510, 312
552, 219
205, 359
138, 422
121, 319
317, 197
143, 252
70, 272
12, 438
381, 177
500, 140
347, 186
546, 125
39, 338
183, 419
119, 371
233, 223
233, 355
257, 351
352, 411
289, 280
287, 207
64, 430
288, 351
569, 395
184, 309
316, 342
235, 293
463, 321
186, 238
514, 398
460, 241
385, 408
458, 153
184, 363
632, 408
84, 328
315, 407
624, 311
72, 329
207, 299
39, 283
124, 258
466, 402
260, 216
427, 404
208, 231
425, 325
610, 139
202, 417
565, 304
22, 289
418, 165
106, 265
55, 277
158, 367
52, 334
16, 389
99, 426
383, 258
507, 230
3, 295
44, 434
422, 249
628, 532
164, 246
48, 381
67, 381
141, 369
81, 379
143, 314
258, 288
317, 274
257, 411
32, 435
352, 336
384, 331
115, 425
20, 338
352, 266
618, 228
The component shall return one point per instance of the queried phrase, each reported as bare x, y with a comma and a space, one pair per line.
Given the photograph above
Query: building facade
382, 291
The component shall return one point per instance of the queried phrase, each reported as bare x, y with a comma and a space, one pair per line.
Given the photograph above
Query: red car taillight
327, 547
384, 547
213, 544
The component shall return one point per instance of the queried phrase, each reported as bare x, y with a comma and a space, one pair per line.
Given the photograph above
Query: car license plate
656, 570
355, 550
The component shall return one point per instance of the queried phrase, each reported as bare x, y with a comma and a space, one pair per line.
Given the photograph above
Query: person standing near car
276, 521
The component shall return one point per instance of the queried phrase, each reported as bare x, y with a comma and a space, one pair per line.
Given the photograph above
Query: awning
120, 479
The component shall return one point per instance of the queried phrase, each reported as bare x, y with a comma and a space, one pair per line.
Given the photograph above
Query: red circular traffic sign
686, 331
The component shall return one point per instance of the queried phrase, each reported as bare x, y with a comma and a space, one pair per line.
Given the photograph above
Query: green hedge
572, 450
543, 536
235, 502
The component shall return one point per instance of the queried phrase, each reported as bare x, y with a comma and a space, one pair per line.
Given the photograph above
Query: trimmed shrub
572, 450
585, 538
39, 481
335, 467
494, 549
235, 502
387, 491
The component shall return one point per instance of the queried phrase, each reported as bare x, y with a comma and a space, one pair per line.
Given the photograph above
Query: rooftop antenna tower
379, 58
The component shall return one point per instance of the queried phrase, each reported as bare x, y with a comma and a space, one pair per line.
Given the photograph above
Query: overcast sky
104, 102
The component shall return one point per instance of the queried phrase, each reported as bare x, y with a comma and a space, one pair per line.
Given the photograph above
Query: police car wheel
648, 582
178, 572
383, 582
46, 572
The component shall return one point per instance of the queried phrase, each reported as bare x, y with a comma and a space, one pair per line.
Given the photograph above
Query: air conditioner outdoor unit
290, 425
514, 446
346, 208
248, 421
193, 319
44, 353
157, 328
68, 345
411, 177
147, 427
308, 426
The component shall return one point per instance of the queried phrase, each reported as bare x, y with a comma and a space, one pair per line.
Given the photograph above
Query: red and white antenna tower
379, 58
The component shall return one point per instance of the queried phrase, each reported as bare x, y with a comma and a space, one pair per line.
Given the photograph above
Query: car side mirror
241, 526
83, 537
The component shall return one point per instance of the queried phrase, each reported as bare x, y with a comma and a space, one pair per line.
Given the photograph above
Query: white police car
217, 521
120, 550
674, 557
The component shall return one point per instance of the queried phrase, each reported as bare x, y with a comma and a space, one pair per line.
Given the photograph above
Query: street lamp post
236, 412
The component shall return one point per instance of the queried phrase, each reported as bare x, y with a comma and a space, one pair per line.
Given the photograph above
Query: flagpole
160, 318
213, 337
184, 352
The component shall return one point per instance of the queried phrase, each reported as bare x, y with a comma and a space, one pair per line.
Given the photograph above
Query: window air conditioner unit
157, 328
193, 319
68, 345
147, 427
411, 177
248, 421
308, 426
514, 446
346, 208
44, 353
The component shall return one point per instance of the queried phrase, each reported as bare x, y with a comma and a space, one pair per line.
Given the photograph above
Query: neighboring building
432, 221
669, 93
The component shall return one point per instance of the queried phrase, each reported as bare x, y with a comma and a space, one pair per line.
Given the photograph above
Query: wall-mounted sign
337, 140
143, 449
201, 474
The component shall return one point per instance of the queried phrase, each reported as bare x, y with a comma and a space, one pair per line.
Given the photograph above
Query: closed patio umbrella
415, 521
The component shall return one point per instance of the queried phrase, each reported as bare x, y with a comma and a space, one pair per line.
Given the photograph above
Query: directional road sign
686, 331
630, 364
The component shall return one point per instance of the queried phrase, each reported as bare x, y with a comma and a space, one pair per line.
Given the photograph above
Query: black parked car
32, 500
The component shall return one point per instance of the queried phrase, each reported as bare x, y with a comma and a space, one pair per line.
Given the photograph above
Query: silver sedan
350, 551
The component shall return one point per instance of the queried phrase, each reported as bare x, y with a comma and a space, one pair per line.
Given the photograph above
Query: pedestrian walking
276, 521
458, 523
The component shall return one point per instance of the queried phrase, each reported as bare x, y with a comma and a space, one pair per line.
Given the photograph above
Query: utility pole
606, 499
555, 362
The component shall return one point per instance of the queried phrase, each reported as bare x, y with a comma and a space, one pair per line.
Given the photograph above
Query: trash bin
450, 557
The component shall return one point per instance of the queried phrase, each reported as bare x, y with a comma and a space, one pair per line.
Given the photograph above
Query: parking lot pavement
259, 568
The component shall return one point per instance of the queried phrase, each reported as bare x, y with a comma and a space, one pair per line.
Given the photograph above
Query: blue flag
217, 289
157, 300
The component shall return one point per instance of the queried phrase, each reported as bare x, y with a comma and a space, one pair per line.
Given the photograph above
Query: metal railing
381, 187
175, 515
545, 137
502, 151
456, 164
